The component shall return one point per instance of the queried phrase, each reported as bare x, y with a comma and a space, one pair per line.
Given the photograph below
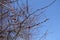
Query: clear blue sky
53, 13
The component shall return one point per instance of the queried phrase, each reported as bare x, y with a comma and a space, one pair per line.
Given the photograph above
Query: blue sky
53, 13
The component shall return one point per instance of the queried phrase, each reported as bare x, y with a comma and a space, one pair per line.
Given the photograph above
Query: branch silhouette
17, 22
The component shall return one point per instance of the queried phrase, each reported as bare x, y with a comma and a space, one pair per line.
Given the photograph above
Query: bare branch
19, 20
39, 10
44, 35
